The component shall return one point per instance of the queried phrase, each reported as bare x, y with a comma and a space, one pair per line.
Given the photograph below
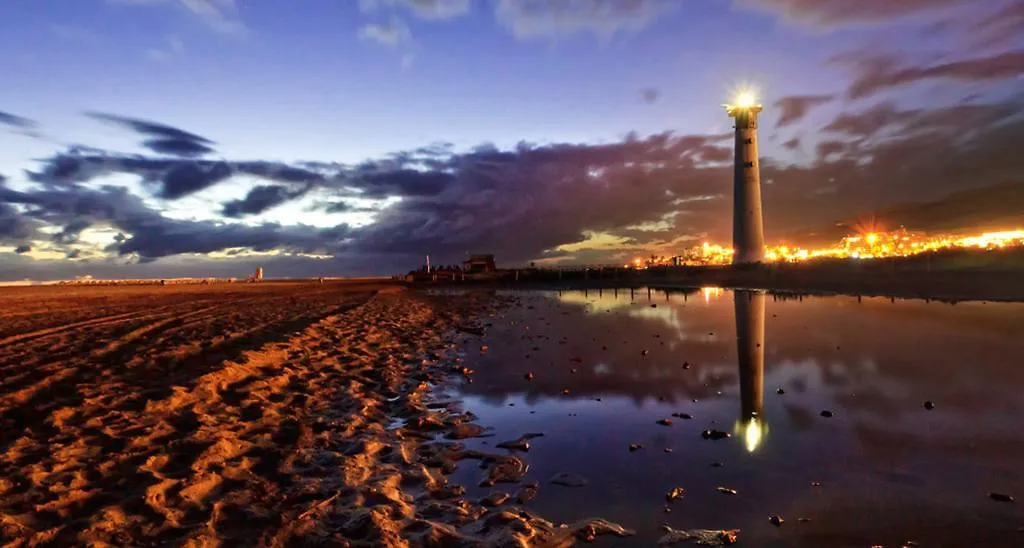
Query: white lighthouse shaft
748, 224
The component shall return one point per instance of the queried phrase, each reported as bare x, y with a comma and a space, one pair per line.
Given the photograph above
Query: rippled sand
274, 414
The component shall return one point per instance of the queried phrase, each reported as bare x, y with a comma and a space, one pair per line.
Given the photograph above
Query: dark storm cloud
832, 13
262, 198
874, 74
13, 225
18, 122
524, 201
163, 139
793, 109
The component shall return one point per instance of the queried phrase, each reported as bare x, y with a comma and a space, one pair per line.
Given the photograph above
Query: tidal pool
860, 422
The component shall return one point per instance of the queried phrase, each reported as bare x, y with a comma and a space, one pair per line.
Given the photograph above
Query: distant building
259, 273
479, 263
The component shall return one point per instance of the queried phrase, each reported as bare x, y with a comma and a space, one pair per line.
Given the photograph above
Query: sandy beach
267, 414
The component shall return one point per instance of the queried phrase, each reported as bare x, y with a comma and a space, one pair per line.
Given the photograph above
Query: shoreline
937, 286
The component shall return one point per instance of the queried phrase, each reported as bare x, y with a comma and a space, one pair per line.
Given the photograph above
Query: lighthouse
747, 221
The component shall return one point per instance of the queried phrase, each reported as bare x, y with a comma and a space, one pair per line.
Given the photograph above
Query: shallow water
890, 470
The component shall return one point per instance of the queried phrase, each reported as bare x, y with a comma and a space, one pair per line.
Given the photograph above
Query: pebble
726, 491
780, 391
717, 464
635, 447
675, 494
776, 520
684, 416
686, 365
929, 405
569, 480
643, 352
1001, 497
565, 391
529, 376
714, 435
664, 422
815, 484
827, 414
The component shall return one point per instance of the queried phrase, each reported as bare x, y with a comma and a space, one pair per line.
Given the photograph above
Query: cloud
425, 9
262, 198
165, 139
834, 13
393, 34
17, 122
655, 192
548, 19
650, 95
874, 74
173, 48
794, 108
221, 16
792, 144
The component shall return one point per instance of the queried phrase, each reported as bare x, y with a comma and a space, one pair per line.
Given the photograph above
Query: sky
160, 138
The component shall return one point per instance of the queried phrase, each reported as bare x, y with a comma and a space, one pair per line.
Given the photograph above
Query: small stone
684, 416
529, 376
565, 391
686, 365
726, 491
664, 422
633, 447
573, 370
1001, 497
803, 520
569, 480
929, 405
483, 348
643, 352
667, 449
815, 484
714, 435
827, 414
675, 494
494, 499
780, 391
654, 306
776, 520
717, 464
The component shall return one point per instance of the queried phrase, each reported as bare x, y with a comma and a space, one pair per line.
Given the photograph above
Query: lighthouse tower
747, 221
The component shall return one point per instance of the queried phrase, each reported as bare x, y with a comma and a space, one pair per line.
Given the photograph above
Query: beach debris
929, 405
675, 494
1001, 497
633, 447
776, 520
527, 492
529, 376
522, 443
566, 479
713, 434
703, 537
726, 490
665, 422
826, 413
495, 499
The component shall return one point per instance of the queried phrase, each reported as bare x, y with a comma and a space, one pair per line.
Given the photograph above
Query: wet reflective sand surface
858, 422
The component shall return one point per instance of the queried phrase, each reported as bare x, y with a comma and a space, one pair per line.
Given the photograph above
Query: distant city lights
873, 245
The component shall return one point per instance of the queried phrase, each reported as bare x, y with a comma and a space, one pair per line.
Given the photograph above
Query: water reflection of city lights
710, 292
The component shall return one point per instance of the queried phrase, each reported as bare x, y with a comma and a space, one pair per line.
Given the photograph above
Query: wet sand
275, 414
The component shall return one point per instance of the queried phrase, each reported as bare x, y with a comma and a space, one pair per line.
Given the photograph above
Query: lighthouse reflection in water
749, 307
